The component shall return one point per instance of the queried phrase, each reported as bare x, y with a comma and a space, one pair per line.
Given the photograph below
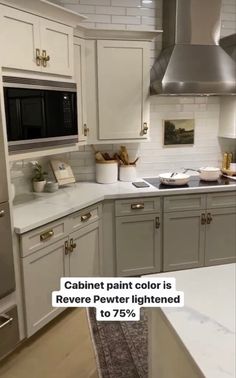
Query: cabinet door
138, 244
57, 41
85, 257
123, 89
183, 243
80, 78
19, 39
221, 236
41, 274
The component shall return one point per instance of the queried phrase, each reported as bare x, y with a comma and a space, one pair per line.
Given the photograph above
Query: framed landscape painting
178, 132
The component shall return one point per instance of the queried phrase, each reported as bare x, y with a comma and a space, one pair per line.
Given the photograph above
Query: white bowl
209, 173
178, 179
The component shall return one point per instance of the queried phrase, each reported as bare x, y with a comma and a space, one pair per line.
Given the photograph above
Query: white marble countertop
206, 323
34, 210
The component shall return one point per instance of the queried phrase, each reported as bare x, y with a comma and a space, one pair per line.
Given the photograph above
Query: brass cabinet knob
2, 213
145, 128
209, 218
137, 206
67, 248
203, 219
45, 58
158, 223
38, 57
86, 130
72, 245
46, 235
85, 217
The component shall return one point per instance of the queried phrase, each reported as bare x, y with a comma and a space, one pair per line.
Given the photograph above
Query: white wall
207, 150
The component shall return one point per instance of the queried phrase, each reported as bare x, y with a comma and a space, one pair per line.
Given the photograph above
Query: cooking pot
207, 173
174, 179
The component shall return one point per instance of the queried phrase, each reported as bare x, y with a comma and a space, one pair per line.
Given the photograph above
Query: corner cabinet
118, 80
34, 43
68, 247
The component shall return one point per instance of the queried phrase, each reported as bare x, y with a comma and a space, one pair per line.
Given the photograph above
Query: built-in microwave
39, 113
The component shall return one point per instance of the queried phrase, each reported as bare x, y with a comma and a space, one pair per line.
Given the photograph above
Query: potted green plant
38, 178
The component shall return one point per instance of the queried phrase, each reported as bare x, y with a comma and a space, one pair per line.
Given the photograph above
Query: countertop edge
147, 192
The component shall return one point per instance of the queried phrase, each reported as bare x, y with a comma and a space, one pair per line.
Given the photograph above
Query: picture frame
62, 172
178, 132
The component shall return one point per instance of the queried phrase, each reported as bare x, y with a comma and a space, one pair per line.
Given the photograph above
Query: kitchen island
197, 340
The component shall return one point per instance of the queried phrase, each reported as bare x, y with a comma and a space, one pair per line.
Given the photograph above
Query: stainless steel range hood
192, 62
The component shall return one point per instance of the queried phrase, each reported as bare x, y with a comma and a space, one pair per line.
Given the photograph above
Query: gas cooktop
194, 182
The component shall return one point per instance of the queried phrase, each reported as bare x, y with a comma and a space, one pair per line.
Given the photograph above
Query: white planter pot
38, 186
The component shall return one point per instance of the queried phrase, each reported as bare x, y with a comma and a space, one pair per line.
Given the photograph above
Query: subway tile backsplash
154, 158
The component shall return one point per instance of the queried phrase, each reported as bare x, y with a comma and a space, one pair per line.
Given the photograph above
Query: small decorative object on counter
106, 171
127, 172
229, 164
51, 186
38, 178
127, 169
62, 172
106, 167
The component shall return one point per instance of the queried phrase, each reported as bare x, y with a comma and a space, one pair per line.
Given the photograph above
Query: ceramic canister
106, 171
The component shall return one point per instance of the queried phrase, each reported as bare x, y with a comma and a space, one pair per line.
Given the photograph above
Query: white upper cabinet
19, 38
80, 78
227, 127
57, 42
123, 89
33, 43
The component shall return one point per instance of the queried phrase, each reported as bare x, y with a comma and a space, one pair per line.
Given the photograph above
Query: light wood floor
61, 350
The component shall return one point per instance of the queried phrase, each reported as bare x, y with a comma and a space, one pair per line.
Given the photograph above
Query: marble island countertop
33, 210
206, 323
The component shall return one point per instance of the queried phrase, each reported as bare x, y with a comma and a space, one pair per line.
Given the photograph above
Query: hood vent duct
192, 62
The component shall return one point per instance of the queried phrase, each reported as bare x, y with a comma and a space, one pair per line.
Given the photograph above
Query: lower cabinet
76, 254
42, 271
201, 235
138, 236
183, 240
85, 258
220, 236
138, 245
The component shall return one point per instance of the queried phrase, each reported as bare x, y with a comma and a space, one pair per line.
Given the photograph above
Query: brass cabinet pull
145, 128
46, 235
67, 248
5, 320
38, 57
209, 218
137, 206
203, 219
72, 245
85, 217
2, 213
86, 130
158, 223
45, 58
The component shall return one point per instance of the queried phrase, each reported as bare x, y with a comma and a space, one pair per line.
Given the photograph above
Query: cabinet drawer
9, 333
218, 200
186, 202
137, 206
84, 217
43, 236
